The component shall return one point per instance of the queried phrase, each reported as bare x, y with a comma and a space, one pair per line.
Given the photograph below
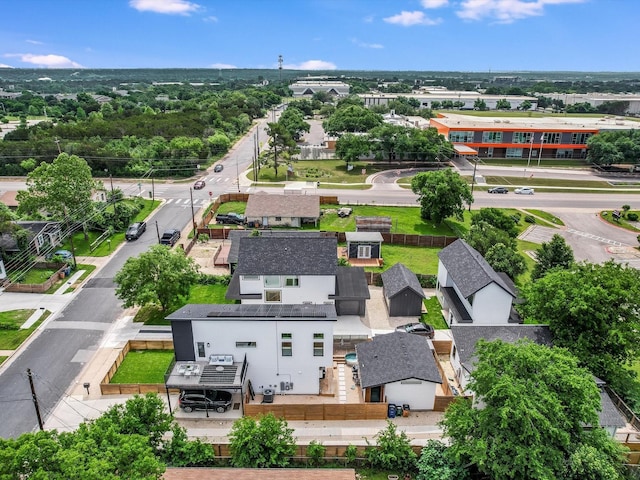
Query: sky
425, 35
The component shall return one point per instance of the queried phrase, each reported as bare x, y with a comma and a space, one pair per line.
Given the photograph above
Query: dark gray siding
353, 249
183, 341
350, 307
405, 303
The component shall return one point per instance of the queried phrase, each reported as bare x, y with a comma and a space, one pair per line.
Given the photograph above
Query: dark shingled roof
351, 284
222, 312
235, 235
395, 357
287, 256
466, 337
234, 238
276, 205
399, 277
609, 416
469, 270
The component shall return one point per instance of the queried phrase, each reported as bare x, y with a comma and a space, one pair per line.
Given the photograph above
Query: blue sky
465, 35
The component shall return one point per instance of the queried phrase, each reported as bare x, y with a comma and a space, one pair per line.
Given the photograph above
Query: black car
170, 237
199, 185
230, 218
423, 329
135, 230
498, 190
217, 400
218, 168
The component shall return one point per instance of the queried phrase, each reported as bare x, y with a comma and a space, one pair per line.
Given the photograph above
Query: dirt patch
203, 253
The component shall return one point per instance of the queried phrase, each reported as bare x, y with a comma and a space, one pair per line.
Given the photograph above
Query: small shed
352, 291
364, 244
373, 224
403, 294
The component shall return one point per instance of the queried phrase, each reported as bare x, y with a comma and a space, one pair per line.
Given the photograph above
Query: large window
273, 296
251, 277
522, 137
552, 137
291, 282
318, 344
491, 137
271, 280
580, 138
460, 137
514, 153
246, 345
287, 345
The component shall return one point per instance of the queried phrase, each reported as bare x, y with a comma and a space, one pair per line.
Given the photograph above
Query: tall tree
552, 254
350, 147
280, 141
63, 186
533, 403
159, 275
482, 236
441, 194
505, 259
351, 118
293, 121
264, 443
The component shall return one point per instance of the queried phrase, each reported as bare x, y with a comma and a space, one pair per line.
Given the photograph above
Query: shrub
529, 219
315, 453
351, 453
206, 279
632, 217
392, 451
428, 281
203, 238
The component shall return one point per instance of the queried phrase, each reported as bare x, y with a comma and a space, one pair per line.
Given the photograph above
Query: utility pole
158, 231
153, 190
58, 144
193, 215
35, 398
280, 60
73, 249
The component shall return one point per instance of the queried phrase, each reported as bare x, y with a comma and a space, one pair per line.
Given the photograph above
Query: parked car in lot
524, 191
199, 185
218, 400
230, 218
63, 254
135, 230
218, 168
423, 329
498, 190
170, 237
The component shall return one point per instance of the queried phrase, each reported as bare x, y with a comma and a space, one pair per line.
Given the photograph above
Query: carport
216, 374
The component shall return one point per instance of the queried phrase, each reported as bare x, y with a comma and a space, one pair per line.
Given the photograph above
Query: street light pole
193, 215
530, 151
473, 179
541, 144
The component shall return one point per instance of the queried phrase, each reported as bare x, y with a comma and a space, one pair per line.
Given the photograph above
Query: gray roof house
268, 210
398, 368
403, 294
42, 237
470, 291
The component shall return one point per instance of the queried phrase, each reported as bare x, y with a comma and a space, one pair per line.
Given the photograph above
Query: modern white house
286, 347
398, 368
470, 291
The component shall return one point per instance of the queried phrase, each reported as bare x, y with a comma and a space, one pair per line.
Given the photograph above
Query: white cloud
312, 65
366, 45
211, 19
49, 61
433, 3
169, 7
3, 65
506, 11
34, 42
408, 19
225, 66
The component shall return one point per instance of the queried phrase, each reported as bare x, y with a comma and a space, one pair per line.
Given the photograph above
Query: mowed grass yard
143, 366
12, 336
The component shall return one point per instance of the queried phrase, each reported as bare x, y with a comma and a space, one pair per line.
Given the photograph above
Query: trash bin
405, 410
399, 411
391, 411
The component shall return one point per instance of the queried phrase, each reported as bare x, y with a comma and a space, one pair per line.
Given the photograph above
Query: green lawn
434, 314
143, 366
32, 276
82, 246
2, 359
622, 222
552, 219
12, 338
419, 259
329, 171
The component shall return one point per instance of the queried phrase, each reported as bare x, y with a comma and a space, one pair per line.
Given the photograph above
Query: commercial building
464, 100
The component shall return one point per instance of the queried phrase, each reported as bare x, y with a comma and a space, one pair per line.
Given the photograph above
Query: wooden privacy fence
39, 287
107, 388
324, 411
332, 452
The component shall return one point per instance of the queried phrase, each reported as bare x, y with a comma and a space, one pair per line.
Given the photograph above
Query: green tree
350, 147
434, 463
315, 453
592, 310
159, 275
65, 185
482, 236
503, 104
292, 119
533, 405
351, 118
526, 105
505, 259
552, 254
264, 443
480, 104
496, 218
392, 450
280, 141
441, 194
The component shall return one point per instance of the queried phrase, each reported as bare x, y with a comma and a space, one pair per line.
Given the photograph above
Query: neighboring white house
287, 347
398, 368
470, 291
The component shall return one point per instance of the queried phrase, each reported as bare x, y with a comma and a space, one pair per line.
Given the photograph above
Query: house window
272, 295
287, 345
552, 137
318, 349
278, 219
271, 281
364, 251
246, 344
580, 138
514, 153
251, 277
460, 136
201, 352
491, 137
291, 282
522, 137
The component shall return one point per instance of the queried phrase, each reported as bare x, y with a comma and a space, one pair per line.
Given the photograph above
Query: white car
524, 191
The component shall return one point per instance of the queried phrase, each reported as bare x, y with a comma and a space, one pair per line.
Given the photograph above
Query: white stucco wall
311, 288
491, 306
420, 395
267, 366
